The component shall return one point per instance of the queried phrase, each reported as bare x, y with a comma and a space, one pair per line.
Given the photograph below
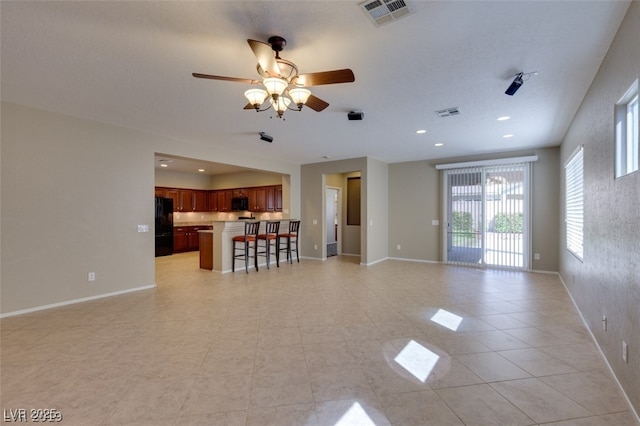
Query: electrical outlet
91, 276
398, 247
604, 322
625, 351
536, 256
315, 247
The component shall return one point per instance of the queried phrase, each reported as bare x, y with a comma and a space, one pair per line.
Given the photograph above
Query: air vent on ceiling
448, 112
384, 11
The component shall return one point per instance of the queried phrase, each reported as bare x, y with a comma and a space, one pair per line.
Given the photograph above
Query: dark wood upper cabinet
261, 198
270, 204
258, 199
224, 200
277, 200
200, 201
213, 201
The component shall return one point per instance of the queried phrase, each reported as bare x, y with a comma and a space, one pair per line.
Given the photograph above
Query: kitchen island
216, 245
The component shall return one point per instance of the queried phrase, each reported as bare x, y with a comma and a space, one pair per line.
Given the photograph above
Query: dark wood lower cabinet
187, 238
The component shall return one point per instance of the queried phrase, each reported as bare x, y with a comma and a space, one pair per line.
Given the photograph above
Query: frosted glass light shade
274, 85
256, 96
281, 104
299, 95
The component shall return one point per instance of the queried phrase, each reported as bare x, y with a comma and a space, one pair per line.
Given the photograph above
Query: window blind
574, 209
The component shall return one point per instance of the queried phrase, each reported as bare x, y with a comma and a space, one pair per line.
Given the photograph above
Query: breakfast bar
216, 248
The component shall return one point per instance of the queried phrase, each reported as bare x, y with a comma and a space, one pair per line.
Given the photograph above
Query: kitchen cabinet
173, 194
200, 201
258, 199
213, 201
277, 198
224, 200
240, 192
180, 239
270, 198
187, 238
261, 198
192, 200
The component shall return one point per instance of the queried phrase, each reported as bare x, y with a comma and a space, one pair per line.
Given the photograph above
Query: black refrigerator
164, 226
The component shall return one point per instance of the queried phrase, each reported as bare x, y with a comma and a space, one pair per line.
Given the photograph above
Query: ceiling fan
282, 81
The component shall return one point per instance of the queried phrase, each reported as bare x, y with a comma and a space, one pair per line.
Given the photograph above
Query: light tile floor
315, 343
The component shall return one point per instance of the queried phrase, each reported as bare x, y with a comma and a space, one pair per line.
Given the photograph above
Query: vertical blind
574, 210
487, 215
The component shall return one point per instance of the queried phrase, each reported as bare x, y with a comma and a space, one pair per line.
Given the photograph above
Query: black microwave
239, 204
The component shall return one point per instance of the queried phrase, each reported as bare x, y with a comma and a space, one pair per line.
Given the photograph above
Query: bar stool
290, 238
270, 237
250, 235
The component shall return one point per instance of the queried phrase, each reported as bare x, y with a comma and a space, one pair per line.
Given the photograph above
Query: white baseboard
601, 352
406, 259
74, 301
374, 262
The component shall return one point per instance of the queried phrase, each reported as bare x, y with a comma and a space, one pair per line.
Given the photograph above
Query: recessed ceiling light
421, 131
507, 136
164, 165
438, 144
503, 118
201, 170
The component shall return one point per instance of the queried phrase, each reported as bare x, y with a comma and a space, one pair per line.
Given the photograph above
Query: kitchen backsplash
206, 218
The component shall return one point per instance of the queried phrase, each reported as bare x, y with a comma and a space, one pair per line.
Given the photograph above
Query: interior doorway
332, 218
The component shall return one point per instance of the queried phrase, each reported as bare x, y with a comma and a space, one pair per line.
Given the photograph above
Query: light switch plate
143, 228
435, 222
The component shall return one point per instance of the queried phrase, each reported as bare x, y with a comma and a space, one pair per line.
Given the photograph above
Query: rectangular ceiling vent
448, 112
384, 11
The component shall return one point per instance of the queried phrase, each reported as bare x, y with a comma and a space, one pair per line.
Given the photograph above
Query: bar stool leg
246, 256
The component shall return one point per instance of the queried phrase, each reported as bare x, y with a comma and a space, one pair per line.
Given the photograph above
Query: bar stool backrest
272, 227
294, 226
251, 229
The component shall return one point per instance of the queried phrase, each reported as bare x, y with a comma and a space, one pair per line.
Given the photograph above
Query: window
627, 132
574, 209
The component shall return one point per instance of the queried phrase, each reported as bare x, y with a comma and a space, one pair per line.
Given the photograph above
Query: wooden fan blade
316, 103
219, 77
265, 56
325, 77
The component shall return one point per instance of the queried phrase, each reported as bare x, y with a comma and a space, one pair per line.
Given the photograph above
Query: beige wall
244, 179
171, 179
412, 210
607, 281
375, 184
374, 202
73, 192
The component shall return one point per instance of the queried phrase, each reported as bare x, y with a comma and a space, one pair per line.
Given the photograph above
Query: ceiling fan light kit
282, 83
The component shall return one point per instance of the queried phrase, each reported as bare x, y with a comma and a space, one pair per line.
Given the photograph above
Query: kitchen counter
216, 246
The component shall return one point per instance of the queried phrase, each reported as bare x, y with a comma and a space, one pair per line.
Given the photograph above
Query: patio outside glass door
487, 215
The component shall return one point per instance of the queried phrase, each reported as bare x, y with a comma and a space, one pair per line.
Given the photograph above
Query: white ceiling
130, 64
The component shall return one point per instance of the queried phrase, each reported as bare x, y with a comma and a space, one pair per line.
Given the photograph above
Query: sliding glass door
487, 215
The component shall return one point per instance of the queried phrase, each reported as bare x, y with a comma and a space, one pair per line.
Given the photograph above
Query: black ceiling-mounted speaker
353, 115
265, 137
515, 85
